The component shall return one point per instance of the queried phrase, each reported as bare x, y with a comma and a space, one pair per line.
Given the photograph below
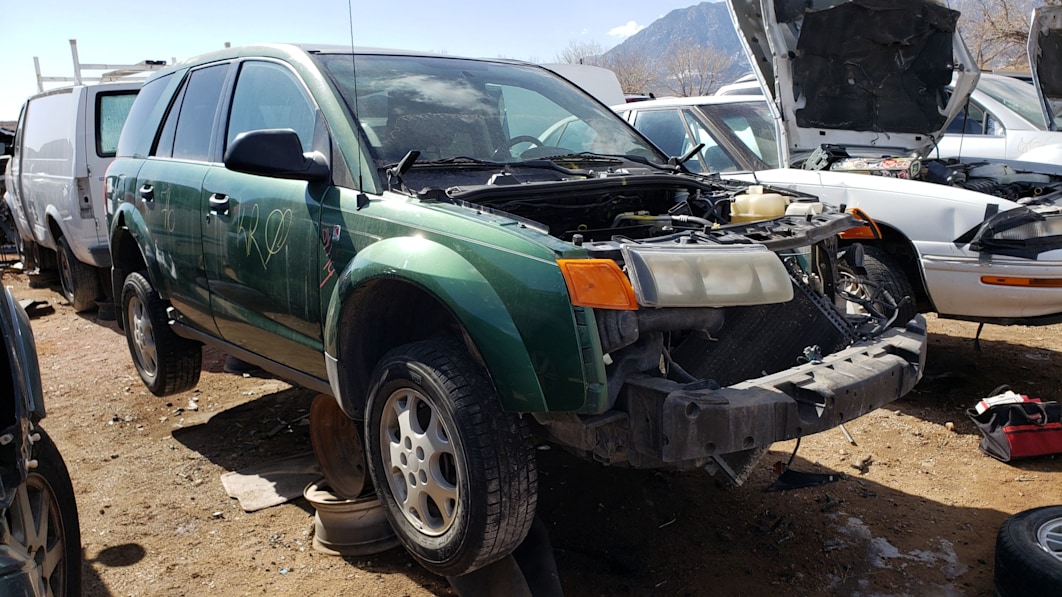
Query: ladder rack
114, 72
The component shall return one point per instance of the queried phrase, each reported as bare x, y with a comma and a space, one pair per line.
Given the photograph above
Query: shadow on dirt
116, 556
958, 375
276, 426
618, 531
627, 532
272, 426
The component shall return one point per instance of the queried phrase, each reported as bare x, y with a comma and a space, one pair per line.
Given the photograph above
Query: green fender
126, 216
449, 277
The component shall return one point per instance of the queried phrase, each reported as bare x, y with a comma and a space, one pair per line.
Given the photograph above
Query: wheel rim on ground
338, 447
37, 527
424, 471
143, 334
1049, 536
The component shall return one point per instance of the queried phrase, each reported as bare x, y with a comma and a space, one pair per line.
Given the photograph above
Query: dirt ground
916, 512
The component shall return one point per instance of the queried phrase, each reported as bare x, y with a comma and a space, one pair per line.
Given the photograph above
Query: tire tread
498, 445
179, 359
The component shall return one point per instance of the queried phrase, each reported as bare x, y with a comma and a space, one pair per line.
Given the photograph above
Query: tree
636, 72
693, 70
577, 52
996, 31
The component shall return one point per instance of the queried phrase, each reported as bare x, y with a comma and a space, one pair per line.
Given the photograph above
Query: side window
111, 111
195, 118
665, 129
970, 121
47, 146
169, 127
269, 96
716, 159
143, 118
993, 126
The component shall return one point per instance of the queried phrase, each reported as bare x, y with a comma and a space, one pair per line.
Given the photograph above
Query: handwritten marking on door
272, 237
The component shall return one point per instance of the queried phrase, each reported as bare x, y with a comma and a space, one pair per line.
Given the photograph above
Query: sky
118, 32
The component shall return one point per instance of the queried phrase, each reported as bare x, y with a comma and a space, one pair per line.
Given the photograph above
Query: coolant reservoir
754, 204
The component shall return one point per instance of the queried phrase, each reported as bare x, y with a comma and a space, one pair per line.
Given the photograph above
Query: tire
1029, 553
479, 501
43, 521
167, 363
884, 274
80, 281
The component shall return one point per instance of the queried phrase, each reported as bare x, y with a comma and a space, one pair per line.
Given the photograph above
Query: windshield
449, 108
1017, 95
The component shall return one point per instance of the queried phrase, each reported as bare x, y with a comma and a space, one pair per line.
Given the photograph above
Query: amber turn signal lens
1023, 282
597, 283
868, 231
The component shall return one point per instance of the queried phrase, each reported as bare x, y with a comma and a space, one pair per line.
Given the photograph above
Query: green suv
473, 256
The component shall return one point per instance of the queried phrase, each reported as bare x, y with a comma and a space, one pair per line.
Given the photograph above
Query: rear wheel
167, 363
80, 281
43, 520
456, 474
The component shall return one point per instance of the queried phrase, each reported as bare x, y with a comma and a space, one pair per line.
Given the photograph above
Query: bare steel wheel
167, 363
455, 473
338, 447
43, 522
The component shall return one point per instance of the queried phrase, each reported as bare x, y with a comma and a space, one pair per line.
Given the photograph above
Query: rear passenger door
169, 192
260, 234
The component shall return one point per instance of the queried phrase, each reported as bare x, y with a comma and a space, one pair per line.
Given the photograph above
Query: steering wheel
507, 148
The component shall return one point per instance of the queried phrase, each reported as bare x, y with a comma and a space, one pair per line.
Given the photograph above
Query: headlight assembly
1019, 232
689, 276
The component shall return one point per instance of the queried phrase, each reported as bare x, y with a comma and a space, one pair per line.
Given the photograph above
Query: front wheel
80, 281
456, 474
1029, 553
167, 363
43, 521
885, 288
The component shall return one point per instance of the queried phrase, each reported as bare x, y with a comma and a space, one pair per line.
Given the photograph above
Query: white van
64, 142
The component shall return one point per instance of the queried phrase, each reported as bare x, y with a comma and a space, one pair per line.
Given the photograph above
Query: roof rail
115, 72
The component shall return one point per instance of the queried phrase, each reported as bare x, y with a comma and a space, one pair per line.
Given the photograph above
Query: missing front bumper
661, 423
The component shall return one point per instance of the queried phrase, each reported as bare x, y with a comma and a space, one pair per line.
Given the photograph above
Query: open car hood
1045, 59
868, 76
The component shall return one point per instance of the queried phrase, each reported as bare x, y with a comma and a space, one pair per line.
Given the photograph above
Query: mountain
705, 25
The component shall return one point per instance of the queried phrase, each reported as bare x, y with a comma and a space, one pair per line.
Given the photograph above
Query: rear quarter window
138, 131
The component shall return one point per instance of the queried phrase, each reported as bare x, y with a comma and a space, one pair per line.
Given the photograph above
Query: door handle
147, 193
219, 204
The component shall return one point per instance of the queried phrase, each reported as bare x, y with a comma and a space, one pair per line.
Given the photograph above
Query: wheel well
900, 247
56, 231
125, 259
125, 253
381, 315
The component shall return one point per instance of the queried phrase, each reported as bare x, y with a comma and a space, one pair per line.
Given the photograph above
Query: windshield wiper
454, 161
611, 158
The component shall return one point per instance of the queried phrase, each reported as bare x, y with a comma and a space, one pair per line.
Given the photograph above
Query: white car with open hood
860, 87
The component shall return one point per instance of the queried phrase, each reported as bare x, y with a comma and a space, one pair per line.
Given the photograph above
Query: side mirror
276, 153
